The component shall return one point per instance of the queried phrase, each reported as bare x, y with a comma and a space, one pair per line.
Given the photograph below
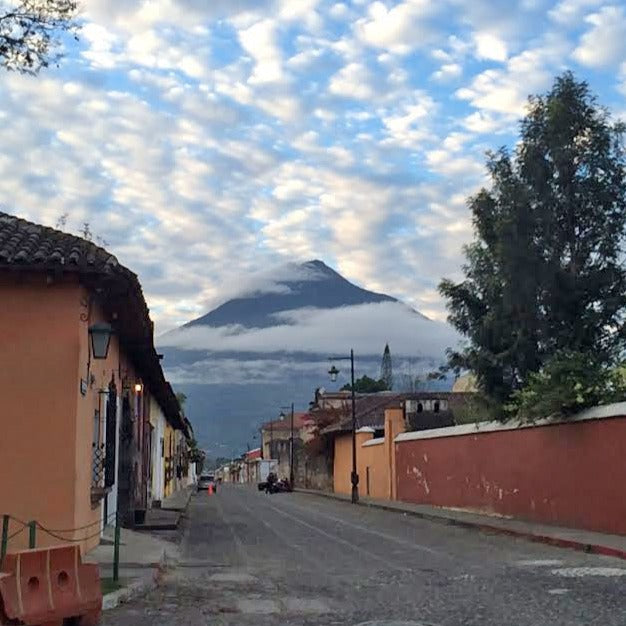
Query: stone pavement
251, 559
588, 541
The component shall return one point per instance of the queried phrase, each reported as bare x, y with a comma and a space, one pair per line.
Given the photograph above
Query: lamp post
282, 416
354, 476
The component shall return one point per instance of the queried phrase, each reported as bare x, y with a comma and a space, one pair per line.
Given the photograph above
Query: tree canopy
30, 32
365, 384
544, 275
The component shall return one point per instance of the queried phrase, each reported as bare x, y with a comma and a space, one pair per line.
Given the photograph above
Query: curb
137, 588
131, 592
557, 542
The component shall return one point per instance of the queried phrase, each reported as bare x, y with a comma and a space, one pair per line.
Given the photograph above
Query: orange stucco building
375, 458
75, 431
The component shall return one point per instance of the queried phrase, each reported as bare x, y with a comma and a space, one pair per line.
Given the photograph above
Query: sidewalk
178, 501
142, 559
168, 516
588, 541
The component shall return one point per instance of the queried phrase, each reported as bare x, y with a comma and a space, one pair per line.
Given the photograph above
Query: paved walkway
139, 552
178, 501
598, 543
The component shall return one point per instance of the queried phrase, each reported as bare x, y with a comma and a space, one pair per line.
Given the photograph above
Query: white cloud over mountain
319, 331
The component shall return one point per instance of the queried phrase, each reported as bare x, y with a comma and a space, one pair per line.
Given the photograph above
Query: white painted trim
617, 409
366, 429
373, 442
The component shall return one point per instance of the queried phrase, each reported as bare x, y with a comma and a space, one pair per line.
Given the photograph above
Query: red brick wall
564, 474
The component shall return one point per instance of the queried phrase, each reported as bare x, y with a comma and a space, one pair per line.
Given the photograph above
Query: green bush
568, 383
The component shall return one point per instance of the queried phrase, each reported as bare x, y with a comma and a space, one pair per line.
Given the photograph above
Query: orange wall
39, 356
342, 467
342, 463
569, 474
374, 459
46, 424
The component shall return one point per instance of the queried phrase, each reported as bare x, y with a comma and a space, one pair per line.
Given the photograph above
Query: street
250, 558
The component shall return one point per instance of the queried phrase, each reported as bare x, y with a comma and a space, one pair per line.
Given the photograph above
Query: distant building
465, 383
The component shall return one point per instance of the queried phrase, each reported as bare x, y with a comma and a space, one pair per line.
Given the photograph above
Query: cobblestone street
249, 558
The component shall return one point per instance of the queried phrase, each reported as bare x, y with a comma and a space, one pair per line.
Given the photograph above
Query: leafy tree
197, 455
568, 382
543, 277
30, 31
182, 398
365, 384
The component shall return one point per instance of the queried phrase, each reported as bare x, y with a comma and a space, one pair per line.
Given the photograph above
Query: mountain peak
317, 263
311, 284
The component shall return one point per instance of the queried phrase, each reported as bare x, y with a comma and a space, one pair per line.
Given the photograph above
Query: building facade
76, 421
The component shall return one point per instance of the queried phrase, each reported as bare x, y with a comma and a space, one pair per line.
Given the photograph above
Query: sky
207, 140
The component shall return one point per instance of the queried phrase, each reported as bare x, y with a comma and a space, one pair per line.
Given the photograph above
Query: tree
543, 276
365, 384
196, 455
182, 398
386, 370
30, 32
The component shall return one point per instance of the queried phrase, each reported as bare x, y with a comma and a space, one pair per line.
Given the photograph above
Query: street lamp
282, 417
100, 339
333, 371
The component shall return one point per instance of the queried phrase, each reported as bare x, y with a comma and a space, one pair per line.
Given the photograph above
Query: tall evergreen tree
386, 369
543, 275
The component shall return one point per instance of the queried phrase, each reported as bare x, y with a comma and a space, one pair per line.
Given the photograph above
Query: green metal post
116, 550
5, 537
32, 534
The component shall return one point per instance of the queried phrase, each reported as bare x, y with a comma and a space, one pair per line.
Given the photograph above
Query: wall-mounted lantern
100, 339
138, 387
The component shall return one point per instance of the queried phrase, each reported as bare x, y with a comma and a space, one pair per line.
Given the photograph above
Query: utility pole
291, 451
354, 476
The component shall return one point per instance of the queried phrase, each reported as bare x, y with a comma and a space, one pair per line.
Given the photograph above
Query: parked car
205, 481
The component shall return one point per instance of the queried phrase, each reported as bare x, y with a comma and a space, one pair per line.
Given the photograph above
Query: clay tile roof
23, 243
299, 420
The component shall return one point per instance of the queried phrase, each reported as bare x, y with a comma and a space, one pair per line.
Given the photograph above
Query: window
436, 407
111, 437
420, 407
96, 428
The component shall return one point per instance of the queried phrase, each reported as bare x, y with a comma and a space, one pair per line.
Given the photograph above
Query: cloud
207, 140
604, 45
505, 91
448, 71
352, 81
490, 47
400, 28
569, 12
365, 327
271, 280
259, 41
